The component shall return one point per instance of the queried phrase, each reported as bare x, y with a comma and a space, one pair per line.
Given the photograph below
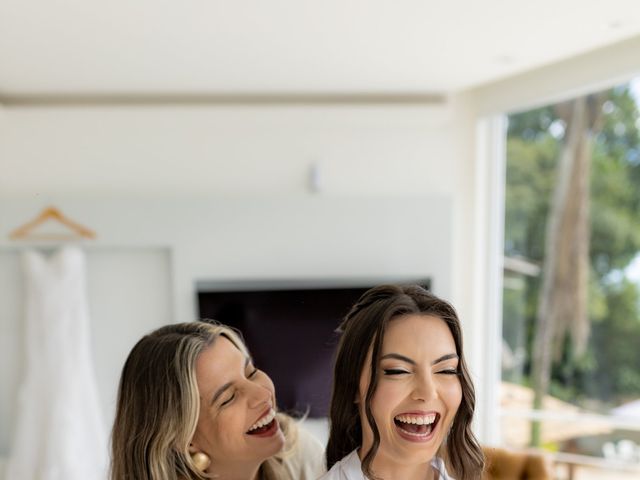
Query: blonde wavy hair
158, 406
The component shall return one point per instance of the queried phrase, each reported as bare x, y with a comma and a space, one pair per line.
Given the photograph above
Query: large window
571, 299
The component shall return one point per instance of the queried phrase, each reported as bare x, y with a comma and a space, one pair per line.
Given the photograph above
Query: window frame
491, 161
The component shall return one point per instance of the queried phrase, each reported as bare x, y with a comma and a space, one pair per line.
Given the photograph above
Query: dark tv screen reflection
291, 336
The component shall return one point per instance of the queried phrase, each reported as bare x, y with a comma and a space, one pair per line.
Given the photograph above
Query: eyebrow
397, 356
448, 356
226, 386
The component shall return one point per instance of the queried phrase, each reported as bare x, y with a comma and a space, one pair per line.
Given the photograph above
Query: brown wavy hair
362, 329
158, 406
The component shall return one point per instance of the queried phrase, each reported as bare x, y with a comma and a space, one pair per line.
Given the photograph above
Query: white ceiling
293, 46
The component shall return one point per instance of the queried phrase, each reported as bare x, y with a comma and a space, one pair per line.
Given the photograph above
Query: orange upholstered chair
503, 464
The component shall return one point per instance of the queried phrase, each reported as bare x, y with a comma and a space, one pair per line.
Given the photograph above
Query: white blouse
349, 468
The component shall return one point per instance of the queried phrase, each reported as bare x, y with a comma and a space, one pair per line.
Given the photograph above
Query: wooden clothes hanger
25, 232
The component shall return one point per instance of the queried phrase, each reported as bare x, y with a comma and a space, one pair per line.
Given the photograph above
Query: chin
413, 453
274, 446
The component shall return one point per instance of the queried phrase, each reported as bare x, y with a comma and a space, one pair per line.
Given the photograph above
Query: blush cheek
453, 399
456, 395
382, 404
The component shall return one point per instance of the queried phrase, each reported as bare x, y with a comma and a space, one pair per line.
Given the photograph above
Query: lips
417, 426
266, 425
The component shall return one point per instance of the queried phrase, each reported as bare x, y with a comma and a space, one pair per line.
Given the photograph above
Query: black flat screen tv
290, 332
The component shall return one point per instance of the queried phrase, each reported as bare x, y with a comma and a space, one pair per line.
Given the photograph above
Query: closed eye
394, 371
449, 371
228, 400
253, 374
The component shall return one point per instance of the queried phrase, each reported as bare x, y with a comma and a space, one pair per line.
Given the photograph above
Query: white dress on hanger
59, 431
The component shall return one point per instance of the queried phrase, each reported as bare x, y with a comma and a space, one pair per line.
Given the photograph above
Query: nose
425, 388
259, 396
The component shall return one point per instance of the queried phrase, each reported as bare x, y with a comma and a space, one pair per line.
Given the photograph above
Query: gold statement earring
201, 461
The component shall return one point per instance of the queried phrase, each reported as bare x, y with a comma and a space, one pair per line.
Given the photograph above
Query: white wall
270, 238
240, 151
228, 150
373, 150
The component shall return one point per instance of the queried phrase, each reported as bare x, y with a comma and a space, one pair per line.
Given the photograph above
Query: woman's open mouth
266, 426
416, 427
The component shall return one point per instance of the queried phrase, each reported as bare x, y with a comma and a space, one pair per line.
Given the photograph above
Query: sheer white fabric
59, 431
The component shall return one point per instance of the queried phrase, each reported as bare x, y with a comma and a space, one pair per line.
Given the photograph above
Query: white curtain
59, 432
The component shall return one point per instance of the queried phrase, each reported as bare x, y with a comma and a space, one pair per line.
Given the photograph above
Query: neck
387, 468
406, 472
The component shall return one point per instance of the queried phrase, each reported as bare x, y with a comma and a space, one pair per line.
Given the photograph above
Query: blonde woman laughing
192, 405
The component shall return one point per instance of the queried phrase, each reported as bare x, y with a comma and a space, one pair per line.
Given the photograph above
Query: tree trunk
562, 303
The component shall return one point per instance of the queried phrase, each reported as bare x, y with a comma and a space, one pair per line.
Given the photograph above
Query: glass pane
582, 450
571, 300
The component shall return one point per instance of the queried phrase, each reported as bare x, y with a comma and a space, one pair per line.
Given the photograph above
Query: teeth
267, 419
417, 419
